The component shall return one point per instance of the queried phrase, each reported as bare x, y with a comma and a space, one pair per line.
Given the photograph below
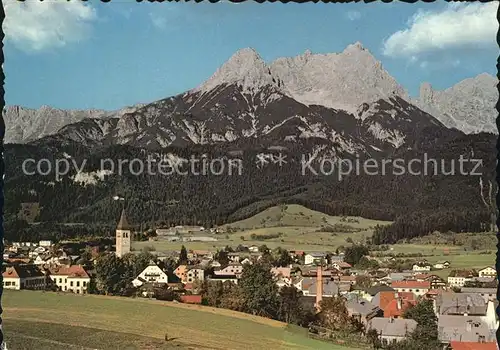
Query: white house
151, 274
230, 270
421, 267
195, 274
418, 288
70, 279
39, 260
246, 261
253, 249
458, 278
45, 243
489, 271
442, 265
23, 277
311, 258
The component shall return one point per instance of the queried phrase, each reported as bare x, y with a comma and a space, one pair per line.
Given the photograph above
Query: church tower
122, 236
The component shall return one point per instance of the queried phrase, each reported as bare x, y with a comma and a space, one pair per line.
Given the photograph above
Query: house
463, 305
417, 287
253, 249
282, 271
314, 257
392, 329
195, 274
341, 265
46, 244
437, 282
246, 261
362, 309
464, 329
421, 267
152, 274
487, 293
348, 280
308, 287
70, 279
336, 258
442, 265
223, 278
181, 272
433, 293
230, 270
23, 277
489, 271
370, 293
394, 304
457, 278
234, 257
399, 276
203, 254
458, 345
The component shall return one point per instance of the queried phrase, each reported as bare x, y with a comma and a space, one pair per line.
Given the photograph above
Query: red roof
392, 310
411, 284
191, 299
387, 297
10, 272
456, 345
343, 264
188, 286
75, 271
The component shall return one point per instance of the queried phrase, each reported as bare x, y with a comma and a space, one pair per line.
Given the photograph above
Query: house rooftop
397, 327
411, 284
458, 345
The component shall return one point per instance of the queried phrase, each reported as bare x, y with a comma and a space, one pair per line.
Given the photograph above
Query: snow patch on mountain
394, 137
90, 178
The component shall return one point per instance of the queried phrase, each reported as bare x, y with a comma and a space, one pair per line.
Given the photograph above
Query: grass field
56, 321
300, 228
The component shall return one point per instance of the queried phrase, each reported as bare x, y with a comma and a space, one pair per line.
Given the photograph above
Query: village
375, 294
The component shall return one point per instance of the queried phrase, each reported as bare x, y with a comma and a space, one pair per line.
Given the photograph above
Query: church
123, 234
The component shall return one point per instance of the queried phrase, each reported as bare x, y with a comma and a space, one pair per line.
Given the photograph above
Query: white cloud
159, 21
457, 26
353, 15
36, 26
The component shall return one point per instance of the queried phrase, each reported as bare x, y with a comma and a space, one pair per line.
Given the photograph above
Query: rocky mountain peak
245, 68
468, 106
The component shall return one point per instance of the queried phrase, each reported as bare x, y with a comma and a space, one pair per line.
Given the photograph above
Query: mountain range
246, 85
327, 105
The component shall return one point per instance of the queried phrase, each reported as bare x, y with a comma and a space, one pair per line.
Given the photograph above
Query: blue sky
94, 55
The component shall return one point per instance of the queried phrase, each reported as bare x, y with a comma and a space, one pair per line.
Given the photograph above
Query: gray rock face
25, 124
468, 106
329, 97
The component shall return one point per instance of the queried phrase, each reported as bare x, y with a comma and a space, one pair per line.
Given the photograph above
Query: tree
354, 253
373, 338
259, 291
333, 314
109, 274
232, 297
289, 308
426, 332
263, 249
282, 257
222, 257
363, 281
183, 258
213, 293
